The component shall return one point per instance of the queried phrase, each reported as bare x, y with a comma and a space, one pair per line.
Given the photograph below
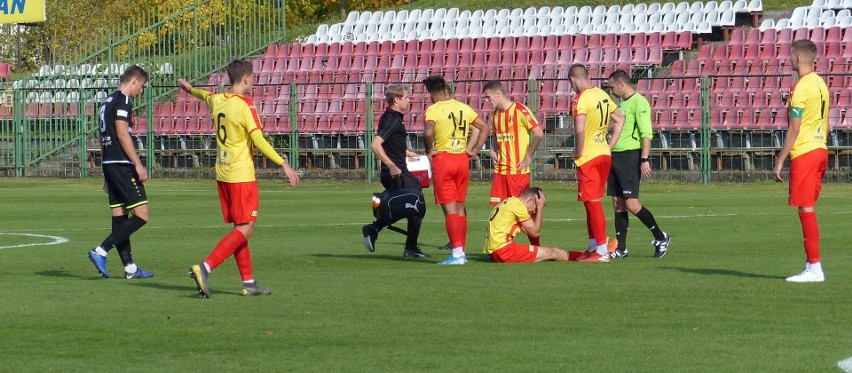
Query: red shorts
450, 173
591, 178
514, 253
505, 186
806, 172
238, 201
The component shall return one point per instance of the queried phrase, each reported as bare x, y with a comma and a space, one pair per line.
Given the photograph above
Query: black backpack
392, 205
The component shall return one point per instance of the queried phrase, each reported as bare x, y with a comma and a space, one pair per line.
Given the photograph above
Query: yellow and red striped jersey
512, 129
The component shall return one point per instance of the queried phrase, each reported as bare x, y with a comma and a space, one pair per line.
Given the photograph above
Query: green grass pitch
717, 302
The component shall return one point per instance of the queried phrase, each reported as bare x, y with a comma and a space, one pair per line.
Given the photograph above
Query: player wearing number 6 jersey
594, 111
805, 143
447, 128
238, 129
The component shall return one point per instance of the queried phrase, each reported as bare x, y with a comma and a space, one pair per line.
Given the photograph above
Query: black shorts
624, 174
405, 181
123, 186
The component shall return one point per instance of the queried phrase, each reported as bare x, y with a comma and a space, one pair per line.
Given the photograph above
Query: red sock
243, 257
596, 221
463, 230
810, 232
225, 248
589, 221
453, 223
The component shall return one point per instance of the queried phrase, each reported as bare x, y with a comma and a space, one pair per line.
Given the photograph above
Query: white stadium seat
728, 18
353, 16
767, 24
614, 9
711, 6
755, 6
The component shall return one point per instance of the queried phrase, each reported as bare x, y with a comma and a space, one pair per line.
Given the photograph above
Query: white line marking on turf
359, 223
56, 240
845, 365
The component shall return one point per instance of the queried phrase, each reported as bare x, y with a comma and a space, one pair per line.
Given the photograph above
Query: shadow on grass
721, 272
61, 273
189, 290
398, 258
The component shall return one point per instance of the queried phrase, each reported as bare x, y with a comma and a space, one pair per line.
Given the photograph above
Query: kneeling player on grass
510, 217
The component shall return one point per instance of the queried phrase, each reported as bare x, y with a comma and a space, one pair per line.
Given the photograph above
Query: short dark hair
395, 91
577, 70
532, 192
435, 84
494, 85
804, 48
134, 71
620, 76
239, 69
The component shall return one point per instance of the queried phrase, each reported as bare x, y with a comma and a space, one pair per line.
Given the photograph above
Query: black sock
116, 223
123, 249
122, 231
622, 224
645, 216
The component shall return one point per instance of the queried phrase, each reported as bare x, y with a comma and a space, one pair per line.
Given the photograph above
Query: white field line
845, 365
366, 218
56, 240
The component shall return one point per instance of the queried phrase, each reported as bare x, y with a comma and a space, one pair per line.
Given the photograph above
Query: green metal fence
46, 120
330, 139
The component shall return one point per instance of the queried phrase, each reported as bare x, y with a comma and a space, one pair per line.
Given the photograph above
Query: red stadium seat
670, 42
684, 40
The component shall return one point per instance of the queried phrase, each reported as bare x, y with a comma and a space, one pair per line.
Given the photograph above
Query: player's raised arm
198, 93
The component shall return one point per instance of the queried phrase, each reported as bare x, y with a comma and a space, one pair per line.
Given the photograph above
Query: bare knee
246, 229
633, 205
618, 204
141, 212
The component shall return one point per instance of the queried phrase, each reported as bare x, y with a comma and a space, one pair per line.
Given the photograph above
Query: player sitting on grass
516, 214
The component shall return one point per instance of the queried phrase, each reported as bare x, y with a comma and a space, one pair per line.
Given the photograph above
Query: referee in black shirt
390, 147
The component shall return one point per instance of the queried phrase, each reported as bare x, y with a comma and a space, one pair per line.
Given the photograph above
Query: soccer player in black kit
124, 174
391, 149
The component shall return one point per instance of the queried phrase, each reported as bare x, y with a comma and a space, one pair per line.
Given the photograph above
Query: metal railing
703, 131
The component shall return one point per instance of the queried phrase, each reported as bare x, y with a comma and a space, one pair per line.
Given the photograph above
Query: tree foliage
77, 27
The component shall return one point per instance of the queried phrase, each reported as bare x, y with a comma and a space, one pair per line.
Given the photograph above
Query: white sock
601, 249
100, 251
814, 268
206, 266
592, 244
131, 268
249, 282
458, 252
